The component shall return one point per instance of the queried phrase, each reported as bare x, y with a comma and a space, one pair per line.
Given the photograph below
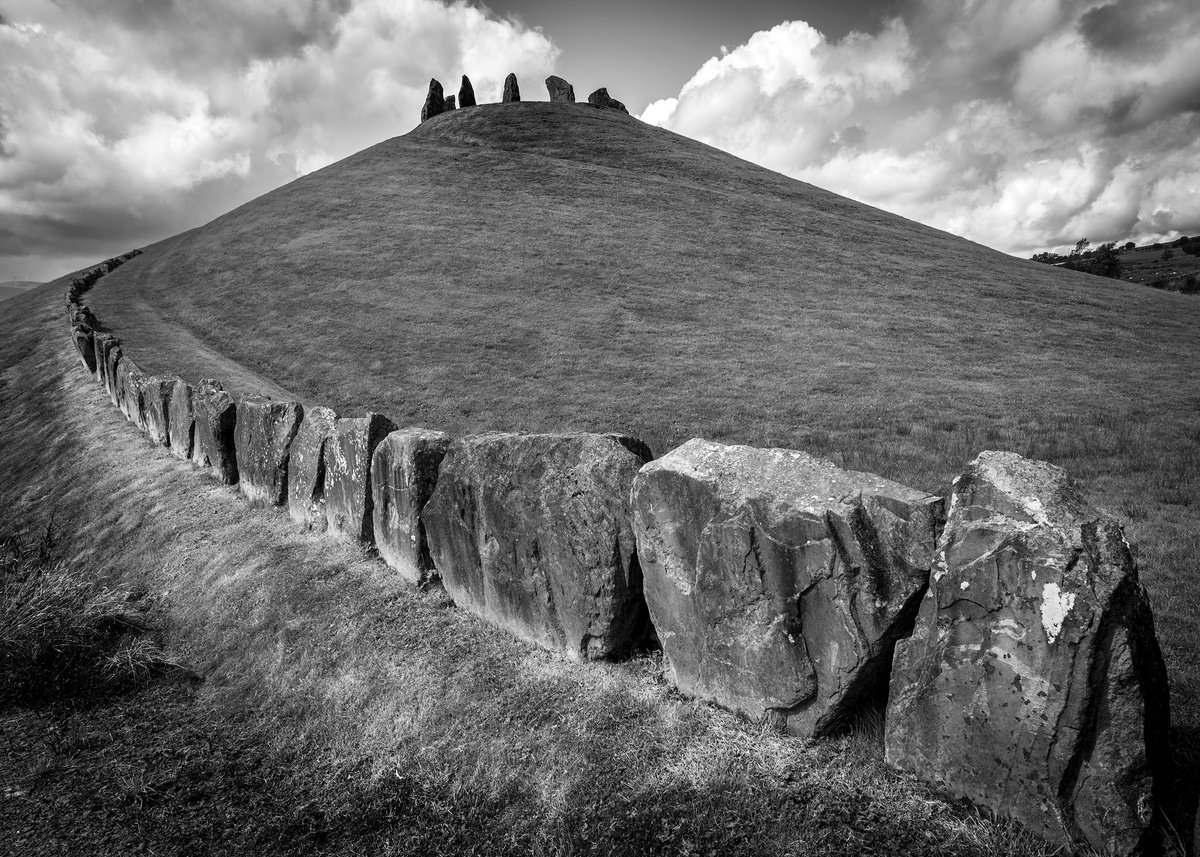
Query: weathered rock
112, 383
306, 468
156, 408
1033, 683
512, 92
560, 90
434, 101
448, 104
600, 98
466, 93
533, 533
183, 422
85, 346
130, 380
348, 451
778, 583
262, 438
215, 414
404, 471
103, 342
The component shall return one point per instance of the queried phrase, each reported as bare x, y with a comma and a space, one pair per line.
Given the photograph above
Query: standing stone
306, 468
85, 346
215, 415
404, 471
560, 90
103, 343
433, 101
779, 583
112, 385
348, 451
466, 93
130, 380
1033, 683
262, 439
448, 105
533, 533
600, 98
512, 92
156, 409
183, 422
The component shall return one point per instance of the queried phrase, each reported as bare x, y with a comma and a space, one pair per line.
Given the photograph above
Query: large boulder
448, 104
434, 100
130, 380
512, 92
600, 98
183, 422
85, 346
1033, 684
348, 451
103, 343
306, 468
404, 471
262, 438
156, 409
112, 382
466, 93
560, 90
215, 414
778, 582
533, 533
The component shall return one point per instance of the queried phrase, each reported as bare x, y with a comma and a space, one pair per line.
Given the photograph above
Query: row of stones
437, 102
1009, 635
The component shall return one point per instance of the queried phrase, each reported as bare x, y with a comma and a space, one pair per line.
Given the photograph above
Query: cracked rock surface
778, 582
534, 533
347, 461
263, 439
306, 468
404, 471
214, 414
1033, 683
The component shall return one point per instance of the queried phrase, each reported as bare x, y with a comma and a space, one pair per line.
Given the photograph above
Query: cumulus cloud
126, 121
1023, 125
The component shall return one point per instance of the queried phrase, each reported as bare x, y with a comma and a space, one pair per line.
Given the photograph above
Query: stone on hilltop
434, 100
448, 104
560, 91
600, 98
156, 409
532, 532
778, 582
348, 451
466, 93
306, 468
1033, 683
404, 471
215, 415
512, 92
183, 422
262, 439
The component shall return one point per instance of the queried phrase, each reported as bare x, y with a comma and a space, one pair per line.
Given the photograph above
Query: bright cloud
1022, 125
127, 121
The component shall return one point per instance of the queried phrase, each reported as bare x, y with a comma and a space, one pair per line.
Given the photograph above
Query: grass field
342, 712
1145, 264
541, 266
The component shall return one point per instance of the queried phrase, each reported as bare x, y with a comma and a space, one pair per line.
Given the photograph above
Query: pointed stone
306, 468
112, 384
512, 92
600, 98
560, 91
466, 93
262, 439
1033, 684
404, 472
433, 100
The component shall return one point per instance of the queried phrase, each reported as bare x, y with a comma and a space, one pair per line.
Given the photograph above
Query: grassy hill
537, 266
13, 288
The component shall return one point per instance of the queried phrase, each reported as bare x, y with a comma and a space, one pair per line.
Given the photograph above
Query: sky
1024, 125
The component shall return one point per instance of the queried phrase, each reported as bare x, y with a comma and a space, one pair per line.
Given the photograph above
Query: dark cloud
1129, 27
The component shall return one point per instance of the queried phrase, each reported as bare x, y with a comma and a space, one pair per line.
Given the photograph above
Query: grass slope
343, 712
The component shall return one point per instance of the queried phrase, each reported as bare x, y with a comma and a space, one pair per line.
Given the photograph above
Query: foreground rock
434, 100
348, 451
215, 416
130, 380
466, 93
560, 91
448, 104
512, 92
778, 583
600, 98
83, 337
103, 344
262, 438
156, 409
112, 382
306, 468
183, 422
532, 532
404, 471
1033, 683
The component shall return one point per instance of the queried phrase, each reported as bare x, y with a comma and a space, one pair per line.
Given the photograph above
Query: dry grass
345, 713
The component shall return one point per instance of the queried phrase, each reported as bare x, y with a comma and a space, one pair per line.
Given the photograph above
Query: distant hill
13, 288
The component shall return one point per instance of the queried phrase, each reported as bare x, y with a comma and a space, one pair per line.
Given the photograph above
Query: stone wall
1007, 637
